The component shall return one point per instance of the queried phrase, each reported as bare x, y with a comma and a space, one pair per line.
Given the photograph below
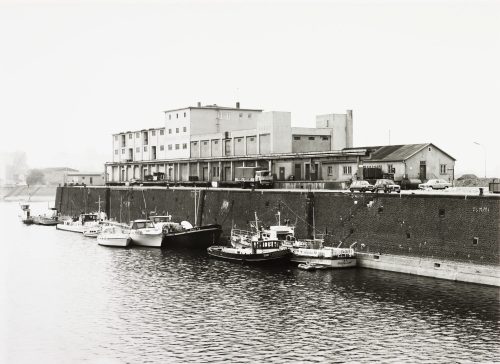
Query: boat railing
242, 233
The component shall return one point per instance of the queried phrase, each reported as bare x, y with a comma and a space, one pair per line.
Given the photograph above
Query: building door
423, 171
227, 173
308, 172
314, 171
205, 174
123, 175
282, 173
297, 174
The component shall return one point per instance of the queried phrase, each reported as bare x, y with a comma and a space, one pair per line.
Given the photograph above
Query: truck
255, 177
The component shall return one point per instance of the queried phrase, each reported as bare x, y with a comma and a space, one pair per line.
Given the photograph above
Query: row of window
138, 134
216, 141
184, 129
162, 147
176, 115
310, 138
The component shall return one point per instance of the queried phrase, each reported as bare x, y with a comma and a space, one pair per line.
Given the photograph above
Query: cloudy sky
74, 72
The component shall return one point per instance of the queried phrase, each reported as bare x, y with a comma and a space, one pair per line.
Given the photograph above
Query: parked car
386, 185
435, 184
361, 186
410, 183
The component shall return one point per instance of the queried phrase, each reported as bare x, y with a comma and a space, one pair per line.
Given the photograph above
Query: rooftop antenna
389, 136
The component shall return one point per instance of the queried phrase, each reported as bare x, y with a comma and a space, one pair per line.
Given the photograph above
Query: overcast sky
74, 72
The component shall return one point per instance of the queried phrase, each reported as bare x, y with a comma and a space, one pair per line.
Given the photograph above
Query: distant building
414, 161
209, 142
82, 178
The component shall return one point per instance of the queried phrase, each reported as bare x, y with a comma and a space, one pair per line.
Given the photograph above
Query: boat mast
256, 221
195, 209
314, 226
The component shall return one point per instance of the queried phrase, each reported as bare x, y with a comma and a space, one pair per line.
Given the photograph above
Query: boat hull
197, 238
71, 228
28, 221
146, 239
45, 221
114, 241
273, 257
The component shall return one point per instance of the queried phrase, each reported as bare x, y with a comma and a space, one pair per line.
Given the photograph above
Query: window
252, 139
91, 181
475, 240
137, 135
347, 169
130, 136
330, 170
327, 122
228, 116
162, 147
441, 212
116, 138
138, 150
216, 142
170, 147
169, 117
195, 143
153, 133
184, 129
324, 138
442, 168
177, 130
162, 131
123, 151
184, 114
184, 146
215, 171
170, 131
249, 116
238, 140
241, 114
177, 116
311, 138
205, 143
390, 168
296, 138
116, 151
177, 146
145, 149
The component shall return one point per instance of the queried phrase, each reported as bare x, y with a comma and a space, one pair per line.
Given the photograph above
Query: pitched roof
397, 152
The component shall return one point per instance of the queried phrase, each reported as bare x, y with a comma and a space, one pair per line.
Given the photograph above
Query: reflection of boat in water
26, 217
48, 219
114, 235
259, 252
79, 225
144, 233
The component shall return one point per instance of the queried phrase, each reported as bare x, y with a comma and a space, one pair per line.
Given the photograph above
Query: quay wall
454, 228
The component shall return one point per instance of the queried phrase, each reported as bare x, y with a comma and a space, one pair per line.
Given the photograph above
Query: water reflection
68, 299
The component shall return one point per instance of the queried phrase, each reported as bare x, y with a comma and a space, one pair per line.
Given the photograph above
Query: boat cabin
142, 224
159, 219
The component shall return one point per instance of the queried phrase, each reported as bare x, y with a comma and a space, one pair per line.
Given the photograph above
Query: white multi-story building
209, 142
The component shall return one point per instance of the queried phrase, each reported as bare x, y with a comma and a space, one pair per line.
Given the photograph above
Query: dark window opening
475, 240
441, 212
408, 235
437, 265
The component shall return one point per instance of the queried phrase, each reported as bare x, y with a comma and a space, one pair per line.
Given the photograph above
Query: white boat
144, 233
313, 252
79, 225
114, 235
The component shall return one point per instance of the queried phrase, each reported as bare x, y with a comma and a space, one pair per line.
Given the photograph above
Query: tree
35, 177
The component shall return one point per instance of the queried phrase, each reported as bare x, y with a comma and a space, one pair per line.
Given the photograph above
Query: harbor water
64, 299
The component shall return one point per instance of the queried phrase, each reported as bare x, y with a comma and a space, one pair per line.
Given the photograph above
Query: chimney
237, 105
199, 104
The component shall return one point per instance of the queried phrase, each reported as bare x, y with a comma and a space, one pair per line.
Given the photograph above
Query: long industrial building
208, 143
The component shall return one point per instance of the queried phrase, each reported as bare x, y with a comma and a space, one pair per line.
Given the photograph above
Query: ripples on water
66, 299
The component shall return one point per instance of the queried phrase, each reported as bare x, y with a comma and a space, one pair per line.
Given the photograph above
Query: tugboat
259, 252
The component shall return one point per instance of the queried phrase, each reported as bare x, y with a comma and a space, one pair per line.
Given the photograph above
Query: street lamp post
484, 150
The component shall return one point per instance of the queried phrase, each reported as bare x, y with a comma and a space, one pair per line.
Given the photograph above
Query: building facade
209, 142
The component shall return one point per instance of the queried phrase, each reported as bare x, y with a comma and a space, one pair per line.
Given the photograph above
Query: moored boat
80, 224
184, 235
313, 252
114, 236
48, 219
26, 217
260, 252
144, 233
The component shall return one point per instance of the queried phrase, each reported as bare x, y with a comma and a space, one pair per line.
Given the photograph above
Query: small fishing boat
114, 236
50, 218
80, 224
243, 238
26, 217
313, 252
260, 252
144, 233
